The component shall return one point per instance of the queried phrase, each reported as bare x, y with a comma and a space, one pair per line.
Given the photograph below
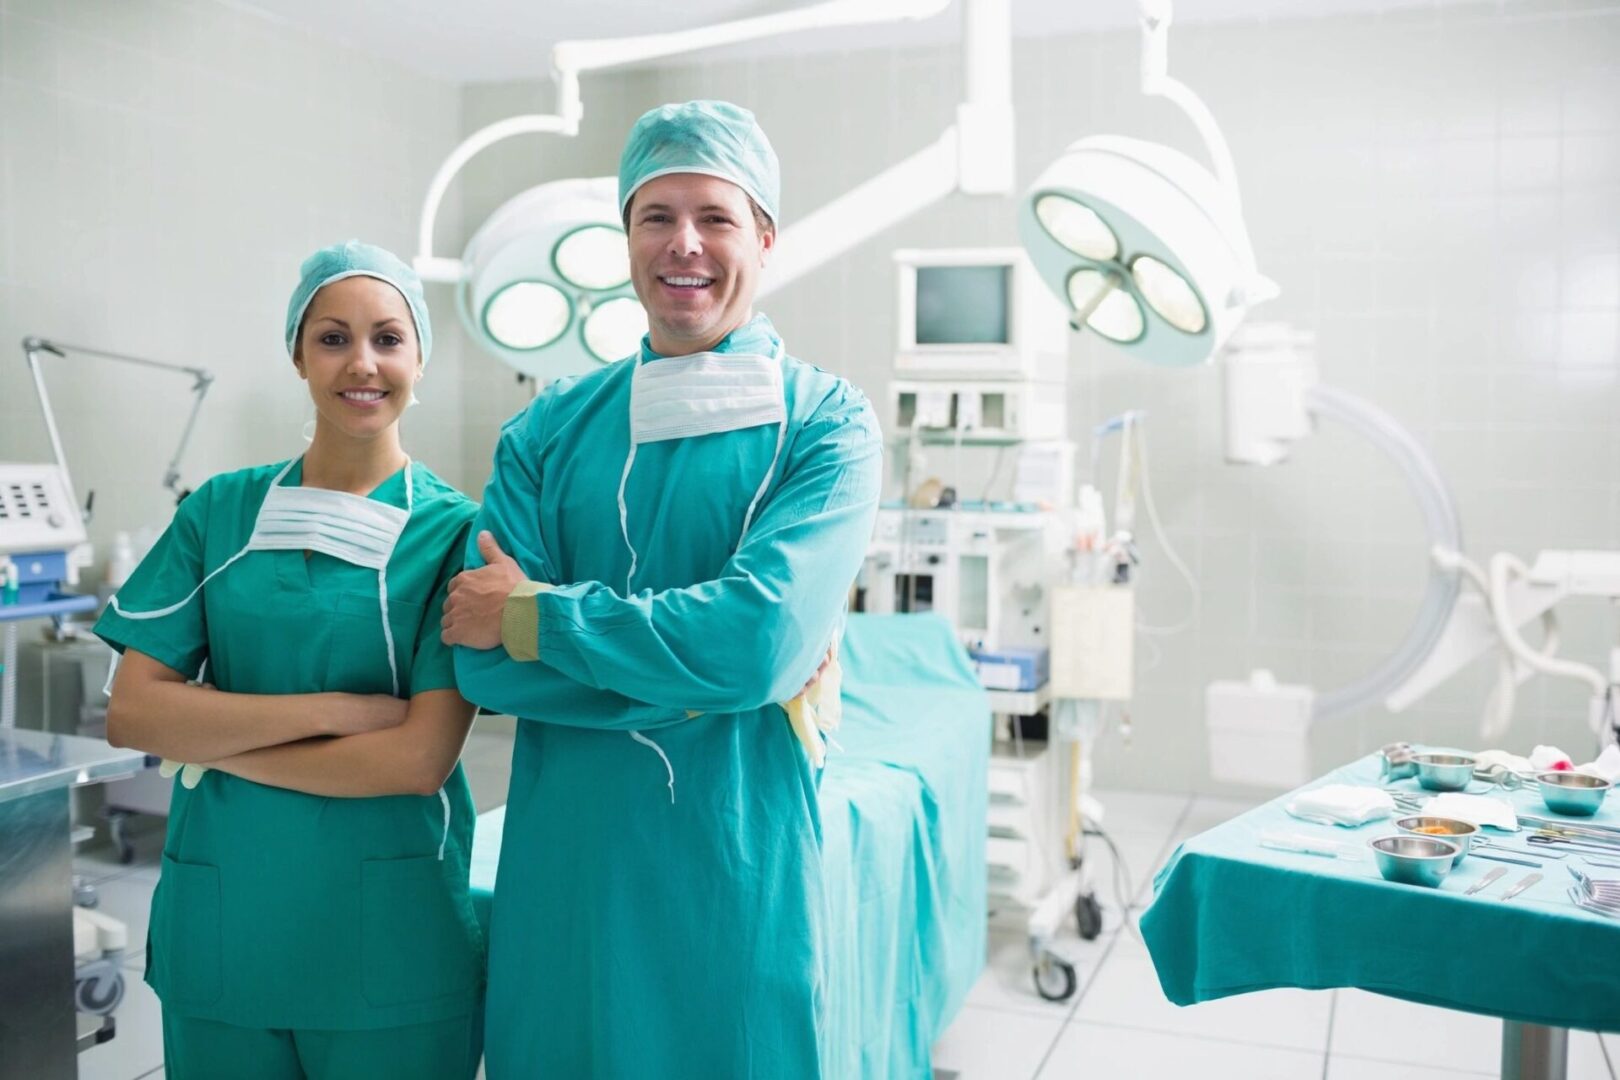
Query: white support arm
1504, 567
890, 197
1156, 82
433, 268
594, 55
571, 58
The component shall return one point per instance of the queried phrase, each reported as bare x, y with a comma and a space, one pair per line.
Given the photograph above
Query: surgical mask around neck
356, 529
709, 393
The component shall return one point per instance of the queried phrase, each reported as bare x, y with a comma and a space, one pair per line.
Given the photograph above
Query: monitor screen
963, 305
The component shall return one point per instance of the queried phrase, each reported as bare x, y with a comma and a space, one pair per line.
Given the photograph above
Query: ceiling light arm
974, 156
1156, 82
436, 268
597, 54
886, 199
570, 59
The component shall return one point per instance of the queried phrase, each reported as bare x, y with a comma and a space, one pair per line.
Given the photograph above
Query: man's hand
472, 611
826, 662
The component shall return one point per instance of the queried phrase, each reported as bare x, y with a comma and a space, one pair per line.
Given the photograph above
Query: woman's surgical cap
356, 259
715, 138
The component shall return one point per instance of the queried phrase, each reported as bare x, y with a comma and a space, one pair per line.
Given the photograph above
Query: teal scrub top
277, 909
632, 935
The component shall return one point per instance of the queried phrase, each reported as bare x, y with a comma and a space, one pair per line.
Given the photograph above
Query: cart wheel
98, 995
1088, 913
1054, 978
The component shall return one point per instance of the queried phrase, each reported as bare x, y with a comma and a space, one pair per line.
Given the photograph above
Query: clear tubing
1445, 533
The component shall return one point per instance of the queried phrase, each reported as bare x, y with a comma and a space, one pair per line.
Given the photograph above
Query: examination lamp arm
1503, 566
1156, 82
570, 59
202, 379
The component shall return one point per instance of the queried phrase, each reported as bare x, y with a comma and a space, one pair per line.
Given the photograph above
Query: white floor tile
1350, 1068
1096, 1052
1611, 1043
1586, 1060
1387, 1029
129, 900
1207, 811
137, 1049
991, 1044
1007, 981
1126, 993
1141, 813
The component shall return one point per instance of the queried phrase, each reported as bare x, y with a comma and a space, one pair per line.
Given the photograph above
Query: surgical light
614, 328
593, 257
545, 283
1131, 231
1157, 227
1077, 227
526, 315
1103, 307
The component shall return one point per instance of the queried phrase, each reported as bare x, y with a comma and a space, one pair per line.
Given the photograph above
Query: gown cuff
520, 621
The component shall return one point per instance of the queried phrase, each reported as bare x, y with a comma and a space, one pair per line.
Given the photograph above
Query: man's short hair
762, 220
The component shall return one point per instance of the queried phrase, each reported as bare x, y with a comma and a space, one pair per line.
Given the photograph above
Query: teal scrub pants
207, 1050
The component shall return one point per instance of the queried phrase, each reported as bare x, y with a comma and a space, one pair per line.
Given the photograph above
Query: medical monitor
976, 313
963, 305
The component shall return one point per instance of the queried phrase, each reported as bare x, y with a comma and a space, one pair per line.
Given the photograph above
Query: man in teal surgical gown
666, 545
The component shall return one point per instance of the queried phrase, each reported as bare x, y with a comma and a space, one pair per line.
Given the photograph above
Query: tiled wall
164, 167
1437, 191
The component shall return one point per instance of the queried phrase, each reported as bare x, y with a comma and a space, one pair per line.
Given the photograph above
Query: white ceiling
490, 40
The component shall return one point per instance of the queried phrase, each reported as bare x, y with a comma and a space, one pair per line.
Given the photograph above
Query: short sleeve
171, 572
433, 665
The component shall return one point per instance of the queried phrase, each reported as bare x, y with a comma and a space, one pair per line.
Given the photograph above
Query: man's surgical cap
714, 138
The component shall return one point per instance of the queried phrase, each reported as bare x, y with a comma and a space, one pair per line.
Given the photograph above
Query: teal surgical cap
356, 259
715, 138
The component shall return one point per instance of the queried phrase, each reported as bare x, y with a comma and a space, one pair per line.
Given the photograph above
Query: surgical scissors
1573, 845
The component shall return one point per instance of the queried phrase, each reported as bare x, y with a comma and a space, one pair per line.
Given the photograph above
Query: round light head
526, 315
593, 257
1077, 227
614, 328
547, 285
1117, 317
1162, 227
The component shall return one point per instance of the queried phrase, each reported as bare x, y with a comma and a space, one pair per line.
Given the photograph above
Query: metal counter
38, 1025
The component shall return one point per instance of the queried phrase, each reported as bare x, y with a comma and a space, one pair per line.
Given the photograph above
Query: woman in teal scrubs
312, 918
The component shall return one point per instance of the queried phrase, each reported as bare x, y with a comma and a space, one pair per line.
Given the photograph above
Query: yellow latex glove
190, 775
819, 709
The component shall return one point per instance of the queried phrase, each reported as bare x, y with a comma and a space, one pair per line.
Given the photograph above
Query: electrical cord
1123, 888
1169, 551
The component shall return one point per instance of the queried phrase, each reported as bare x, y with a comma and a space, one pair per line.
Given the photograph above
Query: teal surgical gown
277, 909
634, 936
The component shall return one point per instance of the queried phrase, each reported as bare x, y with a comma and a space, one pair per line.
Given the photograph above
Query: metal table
1230, 916
39, 1030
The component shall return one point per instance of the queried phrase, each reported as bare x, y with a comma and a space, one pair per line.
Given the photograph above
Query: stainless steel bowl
1444, 772
1573, 793
1413, 860
1458, 832
1395, 762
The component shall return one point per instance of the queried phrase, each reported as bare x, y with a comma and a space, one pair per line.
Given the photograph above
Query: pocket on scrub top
416, 942
357, 662
187, 937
